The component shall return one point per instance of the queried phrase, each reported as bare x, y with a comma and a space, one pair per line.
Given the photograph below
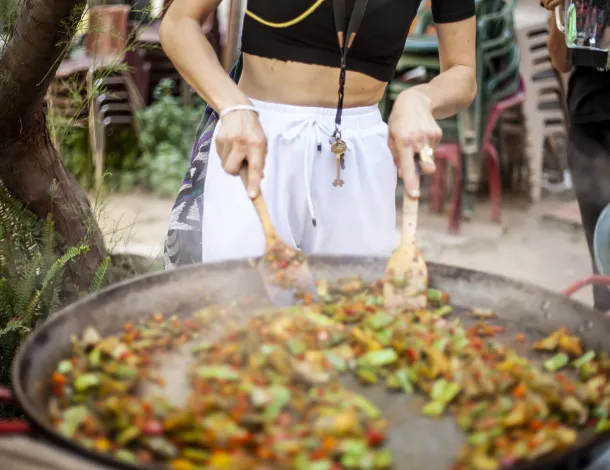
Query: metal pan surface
416, 442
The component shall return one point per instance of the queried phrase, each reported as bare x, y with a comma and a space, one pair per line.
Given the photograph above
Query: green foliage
8, 13
32, 265
167, 130
155, 159
100, 276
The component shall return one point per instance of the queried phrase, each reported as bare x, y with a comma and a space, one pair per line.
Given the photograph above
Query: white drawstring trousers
308, 212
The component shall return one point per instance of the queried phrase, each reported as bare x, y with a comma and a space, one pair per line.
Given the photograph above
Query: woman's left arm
456, 86
412, 123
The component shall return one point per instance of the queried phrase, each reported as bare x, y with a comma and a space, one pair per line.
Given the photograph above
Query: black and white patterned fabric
183, 242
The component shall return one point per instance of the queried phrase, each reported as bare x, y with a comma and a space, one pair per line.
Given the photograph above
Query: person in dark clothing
588, 139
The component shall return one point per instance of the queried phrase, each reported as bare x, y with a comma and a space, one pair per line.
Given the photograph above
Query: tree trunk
30, 167
32, 170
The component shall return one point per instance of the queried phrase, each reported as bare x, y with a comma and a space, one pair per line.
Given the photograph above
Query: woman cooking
304, 118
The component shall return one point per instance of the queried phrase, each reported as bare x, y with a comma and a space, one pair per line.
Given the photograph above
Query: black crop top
378, 44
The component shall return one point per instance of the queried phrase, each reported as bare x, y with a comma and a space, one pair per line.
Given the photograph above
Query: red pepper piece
375, 437
152, 427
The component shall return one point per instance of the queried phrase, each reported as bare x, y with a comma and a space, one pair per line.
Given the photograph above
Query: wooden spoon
284, 268
406, 280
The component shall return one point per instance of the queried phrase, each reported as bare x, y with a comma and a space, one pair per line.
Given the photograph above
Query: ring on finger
427, 154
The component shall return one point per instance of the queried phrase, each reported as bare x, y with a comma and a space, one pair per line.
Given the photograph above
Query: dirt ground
526, 246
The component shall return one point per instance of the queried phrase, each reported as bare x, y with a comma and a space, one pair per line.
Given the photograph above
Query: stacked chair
115, 98
543, 115
470, 139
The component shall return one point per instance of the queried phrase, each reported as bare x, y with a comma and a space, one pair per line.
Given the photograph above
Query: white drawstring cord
315, 131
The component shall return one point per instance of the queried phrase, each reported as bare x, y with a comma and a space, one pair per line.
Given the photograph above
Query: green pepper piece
125, 372
65, 367
444, 311
85, 382
318, 319
367, 461
440, 344
557, 362
452, 390
279, 398
127, 435
381, 358
384, 337
302, 462
125, 456
195, 455
465, 422
459, 343
217, 372
585, 358
202, 347
336, 361
600, 412
319, 465
587, 370
379, 320
367, 375
404, 377
383, 459
296, 346
392, 382
366, 406
603, 425
433, 408
439, 389
95, 357
72, 419
350, 462
161, 447
478, 439
354, 447
399, 281
435, 296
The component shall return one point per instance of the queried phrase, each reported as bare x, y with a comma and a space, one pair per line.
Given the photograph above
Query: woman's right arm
241, 137
556, 42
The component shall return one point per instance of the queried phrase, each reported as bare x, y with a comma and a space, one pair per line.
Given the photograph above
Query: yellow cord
287, 24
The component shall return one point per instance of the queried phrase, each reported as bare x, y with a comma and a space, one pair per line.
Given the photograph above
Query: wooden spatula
406, 280
284, 269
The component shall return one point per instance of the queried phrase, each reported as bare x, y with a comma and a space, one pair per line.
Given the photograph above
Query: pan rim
40, 422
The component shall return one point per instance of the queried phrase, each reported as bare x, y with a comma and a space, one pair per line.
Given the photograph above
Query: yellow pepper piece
102, 445
181, 464
221, 460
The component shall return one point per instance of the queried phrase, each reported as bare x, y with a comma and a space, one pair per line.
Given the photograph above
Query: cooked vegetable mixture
267, 395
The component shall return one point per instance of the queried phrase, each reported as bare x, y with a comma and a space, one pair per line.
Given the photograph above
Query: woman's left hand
411, 128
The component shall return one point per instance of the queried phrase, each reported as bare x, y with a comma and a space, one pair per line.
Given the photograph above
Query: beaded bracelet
230, 109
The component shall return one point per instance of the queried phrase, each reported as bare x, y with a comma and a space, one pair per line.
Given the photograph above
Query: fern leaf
26, 287
48, 242
14, 325
6, 300
100, 276
54, 270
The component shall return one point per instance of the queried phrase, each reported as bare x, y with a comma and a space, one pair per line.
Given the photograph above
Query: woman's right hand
241, 139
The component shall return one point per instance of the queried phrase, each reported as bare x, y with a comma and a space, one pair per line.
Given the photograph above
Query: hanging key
339, 147
338, 181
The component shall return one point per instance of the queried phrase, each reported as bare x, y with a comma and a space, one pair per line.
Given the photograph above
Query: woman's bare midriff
299, 84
